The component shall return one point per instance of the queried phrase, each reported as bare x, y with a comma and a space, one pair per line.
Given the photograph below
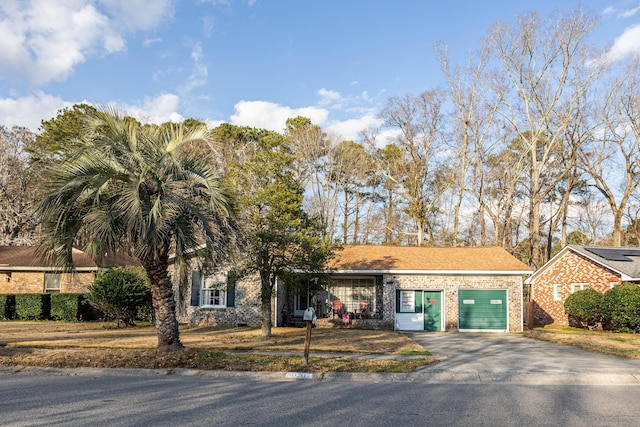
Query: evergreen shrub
120, 294
33, 306
7, 306
584, 308
621, 307
66, 306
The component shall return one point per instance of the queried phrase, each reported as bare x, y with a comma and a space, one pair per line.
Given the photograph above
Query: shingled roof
25, 258
623, 261
479, 260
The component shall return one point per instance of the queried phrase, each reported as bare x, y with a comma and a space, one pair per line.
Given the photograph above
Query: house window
578, 286
557, 292
407, 301
214, 291
353, 292
52, 283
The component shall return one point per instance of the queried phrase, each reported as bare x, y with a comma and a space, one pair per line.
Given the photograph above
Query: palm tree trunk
164, 304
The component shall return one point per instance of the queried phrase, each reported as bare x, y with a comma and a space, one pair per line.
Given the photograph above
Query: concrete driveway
480, 357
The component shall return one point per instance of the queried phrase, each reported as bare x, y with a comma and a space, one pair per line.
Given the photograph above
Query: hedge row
68, 307
616, 309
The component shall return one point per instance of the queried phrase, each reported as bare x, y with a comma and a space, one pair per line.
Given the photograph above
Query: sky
251, 62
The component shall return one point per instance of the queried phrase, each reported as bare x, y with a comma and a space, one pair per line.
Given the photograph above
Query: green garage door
482, 309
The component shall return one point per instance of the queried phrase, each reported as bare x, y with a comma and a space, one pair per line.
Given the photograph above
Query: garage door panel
482, 309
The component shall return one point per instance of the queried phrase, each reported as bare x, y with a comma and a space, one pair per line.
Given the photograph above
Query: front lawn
614, 343
60, 344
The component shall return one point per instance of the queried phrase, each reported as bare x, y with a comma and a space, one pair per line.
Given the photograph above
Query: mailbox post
309, 316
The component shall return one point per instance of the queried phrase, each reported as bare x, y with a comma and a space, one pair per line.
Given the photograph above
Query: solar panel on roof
615, 254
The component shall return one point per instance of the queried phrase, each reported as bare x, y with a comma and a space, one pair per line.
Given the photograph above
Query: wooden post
307, 343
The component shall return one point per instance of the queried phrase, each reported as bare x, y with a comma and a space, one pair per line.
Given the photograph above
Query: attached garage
482, 310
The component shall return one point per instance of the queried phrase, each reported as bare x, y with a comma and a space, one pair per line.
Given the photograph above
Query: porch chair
363, 311
336, 308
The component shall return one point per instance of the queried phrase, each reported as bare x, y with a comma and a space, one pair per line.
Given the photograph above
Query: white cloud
158, 110
609, 10
629, 12
330, 98
350, 129
198, 76
267, 115
43, 40
29, 111
207, 25
149, 41
135, 15
628, 43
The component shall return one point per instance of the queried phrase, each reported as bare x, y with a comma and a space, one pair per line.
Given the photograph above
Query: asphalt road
481, 380
44, 400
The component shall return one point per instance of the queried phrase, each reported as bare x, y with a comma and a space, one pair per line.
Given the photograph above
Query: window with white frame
407, 301
557, 292
214, 290
52, 283
578, 286
353, 292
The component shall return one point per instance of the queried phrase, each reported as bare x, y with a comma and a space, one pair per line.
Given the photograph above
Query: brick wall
247, 310
450, 285
25, 282
569, 269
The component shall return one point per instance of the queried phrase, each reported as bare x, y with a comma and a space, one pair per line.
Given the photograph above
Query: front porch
348, 301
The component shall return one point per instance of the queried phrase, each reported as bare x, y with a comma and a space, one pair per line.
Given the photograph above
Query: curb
422, 376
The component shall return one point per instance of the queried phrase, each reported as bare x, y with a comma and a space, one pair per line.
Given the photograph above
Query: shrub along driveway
495, 356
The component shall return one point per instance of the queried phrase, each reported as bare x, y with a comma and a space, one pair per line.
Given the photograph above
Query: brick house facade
574, 268
22, 271
375, 276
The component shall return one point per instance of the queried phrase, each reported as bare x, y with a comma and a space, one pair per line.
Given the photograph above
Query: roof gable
623, 261
427, 259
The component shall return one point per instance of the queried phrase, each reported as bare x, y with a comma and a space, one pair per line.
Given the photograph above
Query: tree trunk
345, 219
164, 304
267, 290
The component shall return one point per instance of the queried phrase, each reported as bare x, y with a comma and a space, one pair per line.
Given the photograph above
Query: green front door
482, 309
432, 311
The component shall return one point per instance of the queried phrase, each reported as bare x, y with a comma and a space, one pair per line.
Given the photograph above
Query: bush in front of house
67, 306
621, 307
120, 294
7, 306
33, 306
584, 308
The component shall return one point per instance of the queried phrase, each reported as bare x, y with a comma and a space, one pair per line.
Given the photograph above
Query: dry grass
617, 344
60, 344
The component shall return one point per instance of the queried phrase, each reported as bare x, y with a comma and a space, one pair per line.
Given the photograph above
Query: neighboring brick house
575, 268
391, 287
22, 271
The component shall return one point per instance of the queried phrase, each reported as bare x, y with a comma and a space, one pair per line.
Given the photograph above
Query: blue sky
250, 62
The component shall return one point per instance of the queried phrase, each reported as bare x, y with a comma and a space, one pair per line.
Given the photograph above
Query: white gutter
438, 272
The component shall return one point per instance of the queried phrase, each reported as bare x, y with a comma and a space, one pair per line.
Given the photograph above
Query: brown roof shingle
15, 257
388, 258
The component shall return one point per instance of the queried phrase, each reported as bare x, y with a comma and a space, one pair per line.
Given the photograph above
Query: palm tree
142, 189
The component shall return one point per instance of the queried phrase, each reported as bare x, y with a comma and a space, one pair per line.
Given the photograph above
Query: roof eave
439, 272
47, 269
